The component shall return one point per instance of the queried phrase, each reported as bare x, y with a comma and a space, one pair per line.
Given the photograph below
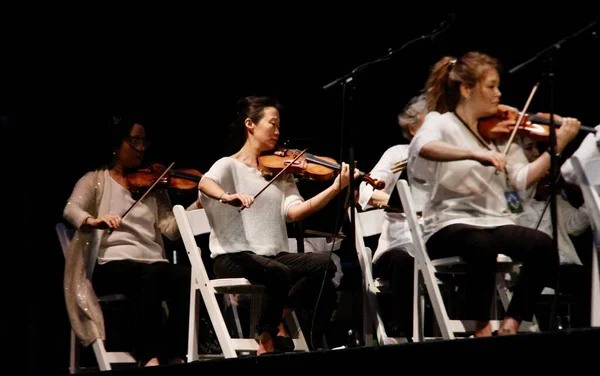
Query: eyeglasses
138, 143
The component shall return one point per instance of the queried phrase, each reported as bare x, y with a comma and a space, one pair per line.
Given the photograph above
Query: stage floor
573, 348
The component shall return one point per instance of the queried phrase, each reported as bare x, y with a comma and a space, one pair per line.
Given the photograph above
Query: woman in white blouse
253, 243
473, 196
131, 259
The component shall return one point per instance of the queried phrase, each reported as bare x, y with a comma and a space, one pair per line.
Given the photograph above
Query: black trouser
291, 280
397, 266
480, 247
149, 284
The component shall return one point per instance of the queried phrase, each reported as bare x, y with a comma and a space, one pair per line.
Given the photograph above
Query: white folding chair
370, 223
588, 175
195, 222
425, 275
104, 358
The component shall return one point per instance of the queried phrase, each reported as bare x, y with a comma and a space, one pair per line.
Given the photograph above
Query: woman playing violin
253, 243
474, 189
131, 259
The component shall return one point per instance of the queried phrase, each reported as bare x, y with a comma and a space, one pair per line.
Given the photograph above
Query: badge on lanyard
513, 200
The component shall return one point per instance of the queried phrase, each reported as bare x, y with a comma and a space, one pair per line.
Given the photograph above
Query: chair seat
235, 286
112, 298
456, 264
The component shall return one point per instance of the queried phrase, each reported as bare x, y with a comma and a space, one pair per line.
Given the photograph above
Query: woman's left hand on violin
343, 177
567, 132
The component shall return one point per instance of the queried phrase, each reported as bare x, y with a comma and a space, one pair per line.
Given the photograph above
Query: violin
318, 168
182, 180
146, 179
535, 126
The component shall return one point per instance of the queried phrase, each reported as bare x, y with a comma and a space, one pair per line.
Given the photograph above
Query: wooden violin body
537, 126
183, 180
318, 168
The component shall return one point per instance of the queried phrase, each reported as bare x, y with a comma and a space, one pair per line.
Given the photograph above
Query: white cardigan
91, 198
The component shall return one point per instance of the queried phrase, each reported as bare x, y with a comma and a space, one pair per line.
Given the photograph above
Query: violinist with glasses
118, 249
474, 189
249, 237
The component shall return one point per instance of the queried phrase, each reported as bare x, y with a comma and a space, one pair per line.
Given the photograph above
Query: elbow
294, 214
202, 185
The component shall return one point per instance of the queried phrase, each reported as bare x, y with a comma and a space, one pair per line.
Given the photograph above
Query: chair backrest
368, 223
64, 236
588, 176
371, 221
410, 212
192, 223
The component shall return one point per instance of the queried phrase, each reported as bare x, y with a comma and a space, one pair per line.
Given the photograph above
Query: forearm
442, 151
313, 205
379, 198
537, 169
211, 189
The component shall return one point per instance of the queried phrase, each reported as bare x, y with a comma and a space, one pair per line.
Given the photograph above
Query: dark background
186, 76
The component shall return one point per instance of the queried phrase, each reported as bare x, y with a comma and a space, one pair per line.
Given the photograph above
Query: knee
280, 277
401, 260
544, 252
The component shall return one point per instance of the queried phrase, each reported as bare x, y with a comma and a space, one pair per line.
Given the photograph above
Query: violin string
110, 230
275, 177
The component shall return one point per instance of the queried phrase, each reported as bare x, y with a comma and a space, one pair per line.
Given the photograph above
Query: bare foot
483, 329
282, 332
509, 326
176, 361
152, 362
265, 343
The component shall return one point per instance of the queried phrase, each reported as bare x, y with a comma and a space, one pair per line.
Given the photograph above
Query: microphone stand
547, 57
348, 83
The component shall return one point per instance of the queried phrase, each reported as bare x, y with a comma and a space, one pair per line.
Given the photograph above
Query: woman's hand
104, 222
343, 177
237, 199
490, 158
568, 130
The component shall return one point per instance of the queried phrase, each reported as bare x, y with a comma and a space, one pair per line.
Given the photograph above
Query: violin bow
514, 132
110, 230
399, 165
276, 176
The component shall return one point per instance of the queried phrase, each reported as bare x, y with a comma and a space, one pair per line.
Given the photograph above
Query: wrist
220, 199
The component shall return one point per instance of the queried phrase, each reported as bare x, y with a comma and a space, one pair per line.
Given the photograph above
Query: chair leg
101, 356
194, 321
74, 354
229, 302
216, 317
595, 314
367, 318
255, 302
418, 306
293, 322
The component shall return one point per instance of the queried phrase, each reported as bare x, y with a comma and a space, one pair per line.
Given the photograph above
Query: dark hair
253, 108
120, 127
443, 84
